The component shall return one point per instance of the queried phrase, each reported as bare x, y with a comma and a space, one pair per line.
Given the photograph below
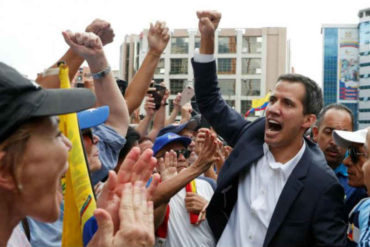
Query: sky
31, 39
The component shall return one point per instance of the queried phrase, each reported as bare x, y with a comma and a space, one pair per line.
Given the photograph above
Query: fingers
127, 167
69, 38
133, 206
104, 234
139, 202
149, 216
126, 209
89, 40
153, 186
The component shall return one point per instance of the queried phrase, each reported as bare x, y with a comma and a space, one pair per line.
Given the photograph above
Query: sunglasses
184, 152
354, 154
88, 133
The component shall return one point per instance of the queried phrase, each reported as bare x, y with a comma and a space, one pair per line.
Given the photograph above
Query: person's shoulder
108, 134
318, 169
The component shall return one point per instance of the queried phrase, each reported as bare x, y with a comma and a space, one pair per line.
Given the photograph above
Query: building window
227, 44
196, 42
251, 87
179, 66
160, 67
227, 86
226, 65
177, 85
179, 45
251, 66
231, 103
245, 105
252, 44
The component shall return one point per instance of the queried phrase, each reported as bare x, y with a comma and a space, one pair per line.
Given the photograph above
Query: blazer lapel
241, 158
290, 191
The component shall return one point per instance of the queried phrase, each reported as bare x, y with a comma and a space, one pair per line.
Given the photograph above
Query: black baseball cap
22, 99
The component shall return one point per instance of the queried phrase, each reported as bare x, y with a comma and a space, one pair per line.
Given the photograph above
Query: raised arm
157, 40
160, 118
90, 47
149, 107
175, 111
211, 104
172, 185
73, 60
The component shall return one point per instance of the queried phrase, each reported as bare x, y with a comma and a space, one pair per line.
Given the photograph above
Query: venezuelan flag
191, 187
259, 104
79, 200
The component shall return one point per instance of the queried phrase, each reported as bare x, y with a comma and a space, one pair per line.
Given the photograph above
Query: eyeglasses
184, 152
88, 133
354, 154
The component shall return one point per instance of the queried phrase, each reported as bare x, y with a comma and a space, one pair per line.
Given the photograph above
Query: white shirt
18, 238
258, 192
180, 231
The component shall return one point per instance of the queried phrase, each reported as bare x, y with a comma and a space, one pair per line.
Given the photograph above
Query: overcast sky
31, 40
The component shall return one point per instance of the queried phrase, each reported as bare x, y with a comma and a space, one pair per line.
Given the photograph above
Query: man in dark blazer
275, 189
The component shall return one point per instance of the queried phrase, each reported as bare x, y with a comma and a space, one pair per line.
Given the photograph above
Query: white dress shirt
258, 192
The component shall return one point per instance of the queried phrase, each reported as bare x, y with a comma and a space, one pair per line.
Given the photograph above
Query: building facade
248, 61
364, 57
341, 66
346, 67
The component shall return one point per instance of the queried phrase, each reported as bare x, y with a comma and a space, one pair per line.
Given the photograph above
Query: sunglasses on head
88, 133
354, 154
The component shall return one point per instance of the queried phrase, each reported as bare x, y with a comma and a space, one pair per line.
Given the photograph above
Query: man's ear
315, 132
309, 121
6, 178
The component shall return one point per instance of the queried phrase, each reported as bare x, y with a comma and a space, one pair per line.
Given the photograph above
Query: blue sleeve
364, 224
226, 121
90, 227
109, 145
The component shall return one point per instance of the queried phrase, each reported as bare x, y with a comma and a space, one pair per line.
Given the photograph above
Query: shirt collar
287, 167
342, 170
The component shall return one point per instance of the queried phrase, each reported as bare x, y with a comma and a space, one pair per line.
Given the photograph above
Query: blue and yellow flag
259, 104
79, 200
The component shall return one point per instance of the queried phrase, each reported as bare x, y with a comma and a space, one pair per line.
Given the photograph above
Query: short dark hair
335, 106
313, 99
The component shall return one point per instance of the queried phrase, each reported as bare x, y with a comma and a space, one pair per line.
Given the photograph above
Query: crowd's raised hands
136, 226
167, 166
207, 142
134, 168
102, 29
158, 37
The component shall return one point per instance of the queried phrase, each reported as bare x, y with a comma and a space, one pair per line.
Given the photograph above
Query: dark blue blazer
310, 209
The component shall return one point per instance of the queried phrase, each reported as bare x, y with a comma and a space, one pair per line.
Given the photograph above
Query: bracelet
101, 74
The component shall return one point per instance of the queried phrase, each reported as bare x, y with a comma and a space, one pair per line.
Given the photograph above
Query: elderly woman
33, 158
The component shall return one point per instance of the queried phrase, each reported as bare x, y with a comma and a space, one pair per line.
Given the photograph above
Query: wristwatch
102, 73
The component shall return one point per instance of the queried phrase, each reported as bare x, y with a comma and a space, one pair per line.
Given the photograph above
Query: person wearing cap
187, 129
33, 152
275, 188
33, 159
354, 142
50, 234
337, 117
171, 150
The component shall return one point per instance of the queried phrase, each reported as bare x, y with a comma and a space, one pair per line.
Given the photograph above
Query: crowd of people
212, 178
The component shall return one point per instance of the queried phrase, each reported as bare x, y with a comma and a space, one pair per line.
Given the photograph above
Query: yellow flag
79, 201
260, 102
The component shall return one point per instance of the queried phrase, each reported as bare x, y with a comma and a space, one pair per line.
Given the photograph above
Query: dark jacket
310, 209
